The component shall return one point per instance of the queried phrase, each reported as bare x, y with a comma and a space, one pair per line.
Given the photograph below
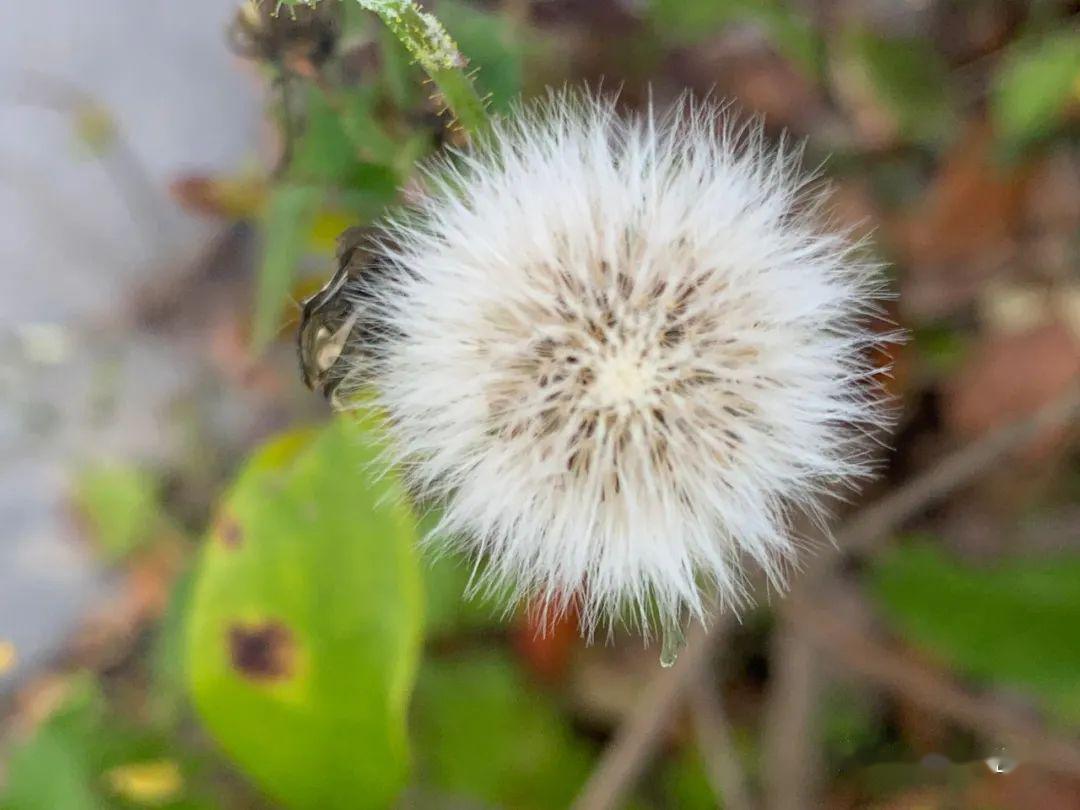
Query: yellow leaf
148, 783
326, 229
8, 656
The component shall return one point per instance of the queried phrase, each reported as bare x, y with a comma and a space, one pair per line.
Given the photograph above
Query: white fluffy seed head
623, 352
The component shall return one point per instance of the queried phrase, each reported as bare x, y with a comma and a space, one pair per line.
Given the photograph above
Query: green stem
428, 43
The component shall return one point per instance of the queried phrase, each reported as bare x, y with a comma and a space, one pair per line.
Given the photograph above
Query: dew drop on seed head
673, 642
1000, 764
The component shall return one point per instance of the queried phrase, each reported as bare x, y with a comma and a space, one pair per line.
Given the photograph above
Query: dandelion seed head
623, 352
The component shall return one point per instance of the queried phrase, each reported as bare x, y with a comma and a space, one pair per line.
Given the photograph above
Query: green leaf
305, 623
1012, 622
344, 149
56, 768
910, 78
168, 692
120, 504
490, 43
89, 755
449, 608
482, 732
1034, 87
287, 222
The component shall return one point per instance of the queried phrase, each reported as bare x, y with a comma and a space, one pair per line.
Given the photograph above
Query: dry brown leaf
545, 647
1009, 375
966, 229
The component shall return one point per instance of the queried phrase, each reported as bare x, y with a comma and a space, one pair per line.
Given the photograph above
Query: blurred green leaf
344, 149
398, 77
941, 347
305, 624
850, 726
1034, 87
366, 139
120, 504
483, 732
910, 78
489, 41
287, 222
168, 693
785, 26
685, 782
1010, 622
448, 609
56, 768
78, 758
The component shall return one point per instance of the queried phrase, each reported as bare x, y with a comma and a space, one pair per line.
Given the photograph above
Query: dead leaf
1007, 376
221, 197
545, 646
146, 783
8, 656
964, 232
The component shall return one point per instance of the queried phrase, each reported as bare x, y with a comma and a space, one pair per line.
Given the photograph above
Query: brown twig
790, 755
713, 734
953, 472
637, 739
936, 690
634, 743
791, 743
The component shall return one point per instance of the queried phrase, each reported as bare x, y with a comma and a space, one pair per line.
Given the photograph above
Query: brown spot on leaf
262, 652
229, 532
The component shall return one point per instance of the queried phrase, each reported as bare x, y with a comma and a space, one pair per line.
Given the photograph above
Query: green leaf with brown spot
305, 625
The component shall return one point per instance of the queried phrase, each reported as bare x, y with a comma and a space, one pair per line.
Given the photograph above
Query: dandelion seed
622, 352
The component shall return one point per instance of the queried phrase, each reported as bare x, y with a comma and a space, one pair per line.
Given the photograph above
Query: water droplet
1001, 764
672, 645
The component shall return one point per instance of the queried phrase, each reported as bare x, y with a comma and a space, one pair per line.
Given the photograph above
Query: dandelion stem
427, 41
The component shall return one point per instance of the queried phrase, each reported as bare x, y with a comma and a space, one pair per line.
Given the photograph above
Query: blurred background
189, 621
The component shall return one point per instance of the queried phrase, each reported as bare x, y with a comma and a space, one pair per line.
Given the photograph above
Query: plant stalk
427, 41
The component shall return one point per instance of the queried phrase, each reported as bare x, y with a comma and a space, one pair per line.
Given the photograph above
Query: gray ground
77, 234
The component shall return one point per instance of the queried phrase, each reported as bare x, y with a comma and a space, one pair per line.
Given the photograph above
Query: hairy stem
428, 43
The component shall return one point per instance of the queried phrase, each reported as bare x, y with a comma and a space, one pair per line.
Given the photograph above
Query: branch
634, 743
638, 737
937, 691
790, 737
789, 755
713, 734
953, 472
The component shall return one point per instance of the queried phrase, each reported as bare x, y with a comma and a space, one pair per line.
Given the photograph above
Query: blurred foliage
493, 48
1003, 622
82, 758
289, 216
121, 507
1037, 83
308, 595
486, 734
909, 78
449, 610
